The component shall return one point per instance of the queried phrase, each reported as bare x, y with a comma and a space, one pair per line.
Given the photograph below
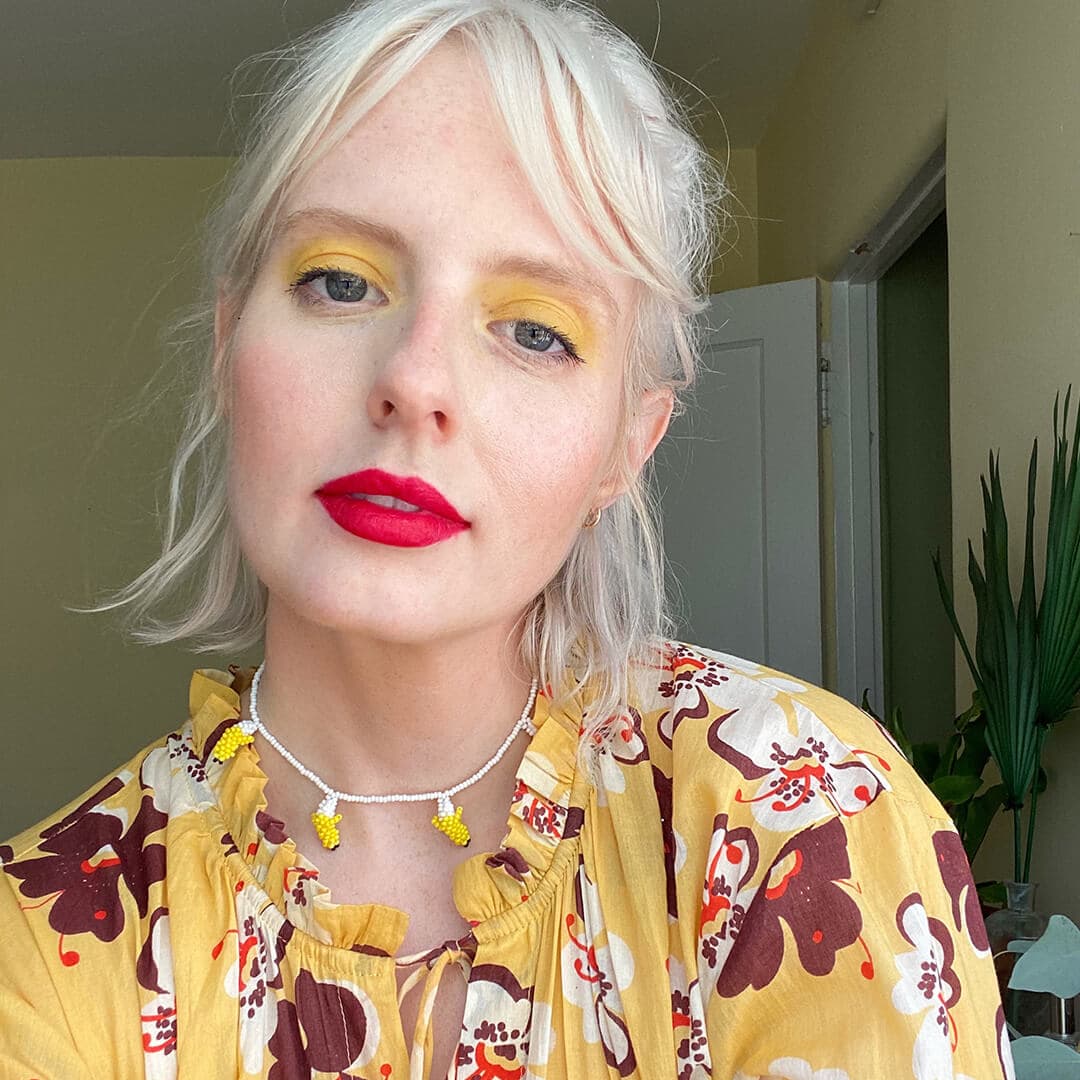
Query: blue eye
538, 338
341, 286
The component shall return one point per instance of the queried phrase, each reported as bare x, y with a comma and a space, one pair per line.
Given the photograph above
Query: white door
738, 477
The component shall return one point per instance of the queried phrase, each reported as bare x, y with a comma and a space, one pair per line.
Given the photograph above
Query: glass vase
1029, 1013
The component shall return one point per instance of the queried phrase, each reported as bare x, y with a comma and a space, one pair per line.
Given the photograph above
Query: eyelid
564, 318
331, 257
569, 354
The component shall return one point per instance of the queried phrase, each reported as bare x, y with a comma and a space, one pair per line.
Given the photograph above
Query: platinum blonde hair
625, 160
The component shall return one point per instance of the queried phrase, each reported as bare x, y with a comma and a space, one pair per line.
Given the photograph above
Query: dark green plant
1026, 664
953, 772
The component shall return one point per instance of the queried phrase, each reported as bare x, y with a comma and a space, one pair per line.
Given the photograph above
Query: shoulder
69, 867
786, 751
116, 796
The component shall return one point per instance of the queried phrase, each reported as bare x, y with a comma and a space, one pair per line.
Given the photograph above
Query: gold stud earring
591, 521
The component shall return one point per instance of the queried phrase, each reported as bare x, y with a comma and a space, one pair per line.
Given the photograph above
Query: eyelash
571, 355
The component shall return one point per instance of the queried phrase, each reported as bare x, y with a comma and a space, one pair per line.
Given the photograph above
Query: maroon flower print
497, 1030
690, 668
331, 1028
82, 867
670, 720
664, 798
801, 889
958, 882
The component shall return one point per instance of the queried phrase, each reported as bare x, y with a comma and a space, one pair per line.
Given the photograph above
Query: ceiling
150, 77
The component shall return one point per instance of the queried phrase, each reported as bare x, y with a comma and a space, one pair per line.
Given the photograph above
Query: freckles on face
402, 347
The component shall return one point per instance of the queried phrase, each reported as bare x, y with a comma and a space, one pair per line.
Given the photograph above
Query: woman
455, 280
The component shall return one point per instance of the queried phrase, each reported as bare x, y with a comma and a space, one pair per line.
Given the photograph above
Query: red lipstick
434, 519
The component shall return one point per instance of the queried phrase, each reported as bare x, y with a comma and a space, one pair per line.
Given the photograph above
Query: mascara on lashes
509, 301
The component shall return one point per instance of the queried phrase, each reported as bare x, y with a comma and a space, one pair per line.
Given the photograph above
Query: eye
539, 338
338, 287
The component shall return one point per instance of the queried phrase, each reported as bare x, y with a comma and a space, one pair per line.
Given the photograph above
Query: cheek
276, 411
551, 460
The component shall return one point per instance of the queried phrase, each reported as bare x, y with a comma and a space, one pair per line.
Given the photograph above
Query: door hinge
824, 368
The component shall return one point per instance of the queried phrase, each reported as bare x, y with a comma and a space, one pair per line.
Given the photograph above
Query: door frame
853, 399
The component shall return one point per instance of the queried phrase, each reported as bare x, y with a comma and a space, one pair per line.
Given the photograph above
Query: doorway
887, 367
915, 488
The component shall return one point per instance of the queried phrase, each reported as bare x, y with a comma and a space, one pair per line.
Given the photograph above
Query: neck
384, 717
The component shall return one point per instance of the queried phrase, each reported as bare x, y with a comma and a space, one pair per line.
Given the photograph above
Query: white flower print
927, 984
595, 965
510, 1035
158, 1016
799, 771
790, 1068
249, 977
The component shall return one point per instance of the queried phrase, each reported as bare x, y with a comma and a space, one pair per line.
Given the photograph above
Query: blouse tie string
423, 1040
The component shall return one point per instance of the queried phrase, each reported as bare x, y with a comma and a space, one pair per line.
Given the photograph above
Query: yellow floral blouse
756, 885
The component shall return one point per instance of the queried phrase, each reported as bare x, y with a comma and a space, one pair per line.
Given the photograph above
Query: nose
415, 384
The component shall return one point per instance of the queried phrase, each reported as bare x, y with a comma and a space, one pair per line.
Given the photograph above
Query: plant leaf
951, 790
973, 758
1059, 607
980, 812
1052, 964
992, 893
1039, 1058
926, 756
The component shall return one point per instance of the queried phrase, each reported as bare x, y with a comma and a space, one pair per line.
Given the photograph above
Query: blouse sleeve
35, 1037
861, 953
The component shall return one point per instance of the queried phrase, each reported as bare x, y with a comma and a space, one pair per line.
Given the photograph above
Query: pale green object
1051, 965
1020, 945
1037, 1058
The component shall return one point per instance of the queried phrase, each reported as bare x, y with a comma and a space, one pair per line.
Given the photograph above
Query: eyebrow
330, 218
552, 274
327, 217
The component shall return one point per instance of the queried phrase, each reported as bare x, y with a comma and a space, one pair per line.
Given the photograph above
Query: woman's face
404, 321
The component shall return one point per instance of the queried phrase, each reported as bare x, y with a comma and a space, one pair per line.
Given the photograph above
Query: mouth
388, 509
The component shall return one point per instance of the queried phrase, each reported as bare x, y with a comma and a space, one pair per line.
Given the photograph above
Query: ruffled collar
493, 891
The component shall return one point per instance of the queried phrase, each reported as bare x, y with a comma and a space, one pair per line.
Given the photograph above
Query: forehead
430, 171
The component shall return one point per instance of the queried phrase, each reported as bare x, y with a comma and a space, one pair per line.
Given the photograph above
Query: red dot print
816, 937
862, 792
99, 915
385, 1070
734, 855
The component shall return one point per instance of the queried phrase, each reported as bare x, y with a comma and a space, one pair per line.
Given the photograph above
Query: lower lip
385, 525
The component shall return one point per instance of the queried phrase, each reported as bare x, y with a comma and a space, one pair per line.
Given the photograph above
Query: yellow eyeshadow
524, 300
370, 264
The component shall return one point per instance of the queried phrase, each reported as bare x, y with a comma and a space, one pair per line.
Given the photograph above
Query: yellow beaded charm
326, 821
232, 738
448, 821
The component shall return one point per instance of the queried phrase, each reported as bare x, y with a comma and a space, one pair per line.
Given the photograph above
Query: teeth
387, 500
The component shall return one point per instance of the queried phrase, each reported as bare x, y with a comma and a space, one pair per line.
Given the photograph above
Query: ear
647, 428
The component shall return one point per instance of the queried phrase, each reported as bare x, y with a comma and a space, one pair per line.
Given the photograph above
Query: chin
371, 608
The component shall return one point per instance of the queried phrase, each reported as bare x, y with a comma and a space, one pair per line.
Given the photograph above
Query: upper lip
410, 489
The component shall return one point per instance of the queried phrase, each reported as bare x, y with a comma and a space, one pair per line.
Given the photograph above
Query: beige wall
94, 262
1013, 199
864, 110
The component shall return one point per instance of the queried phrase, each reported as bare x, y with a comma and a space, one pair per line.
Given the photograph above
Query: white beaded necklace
325, 818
